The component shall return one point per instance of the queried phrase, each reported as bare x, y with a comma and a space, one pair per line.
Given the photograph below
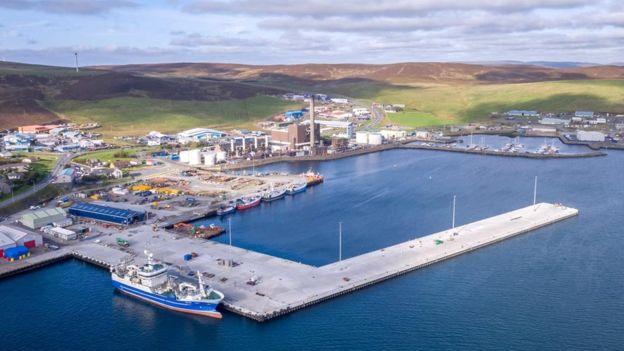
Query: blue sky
320, 31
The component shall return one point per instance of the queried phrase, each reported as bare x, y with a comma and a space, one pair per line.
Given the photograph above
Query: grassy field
125, 154
38, 171
428, 105
135, 116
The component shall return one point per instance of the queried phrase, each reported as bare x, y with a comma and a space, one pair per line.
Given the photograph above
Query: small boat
225, 210
274, 194
248, 202
313, 178
208, 232
296, 188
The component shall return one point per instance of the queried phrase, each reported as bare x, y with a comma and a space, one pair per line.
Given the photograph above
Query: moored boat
152, 283
248, 202
226, 209
274, 194
296, 188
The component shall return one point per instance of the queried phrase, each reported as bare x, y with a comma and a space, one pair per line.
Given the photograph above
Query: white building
393, 134
339, 101
63, 234
584, 135
22, 237
359, 111
197, 135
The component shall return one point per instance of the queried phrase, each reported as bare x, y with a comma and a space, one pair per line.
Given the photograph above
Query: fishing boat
313, 178
207, 232
152, 283
226, 209
248, 202
296, 188
274, 194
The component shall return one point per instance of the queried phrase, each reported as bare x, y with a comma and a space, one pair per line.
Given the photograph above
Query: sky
314, 31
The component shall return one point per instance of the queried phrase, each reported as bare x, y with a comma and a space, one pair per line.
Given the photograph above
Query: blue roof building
106, 213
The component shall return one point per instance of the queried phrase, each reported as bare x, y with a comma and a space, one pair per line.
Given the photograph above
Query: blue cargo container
175, 157
16, 253
106, 213
188, 257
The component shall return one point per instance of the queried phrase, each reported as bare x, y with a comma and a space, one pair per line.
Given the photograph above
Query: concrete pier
282, 286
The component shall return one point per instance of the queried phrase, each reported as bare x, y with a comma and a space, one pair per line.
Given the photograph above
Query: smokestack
76, 56
312, 125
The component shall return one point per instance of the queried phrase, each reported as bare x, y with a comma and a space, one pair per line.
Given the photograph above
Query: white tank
210, 158
361, 137
184, 156
195, 157
221, 156
375, 139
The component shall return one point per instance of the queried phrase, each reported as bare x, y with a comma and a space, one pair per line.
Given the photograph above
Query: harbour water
559, 287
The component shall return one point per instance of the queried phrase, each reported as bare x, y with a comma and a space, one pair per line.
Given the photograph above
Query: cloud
359, 8
79, 7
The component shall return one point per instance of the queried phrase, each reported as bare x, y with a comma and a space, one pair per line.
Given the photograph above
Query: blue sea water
557, 288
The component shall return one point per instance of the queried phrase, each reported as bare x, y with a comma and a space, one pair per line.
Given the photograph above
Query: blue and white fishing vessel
152, 283
296, 188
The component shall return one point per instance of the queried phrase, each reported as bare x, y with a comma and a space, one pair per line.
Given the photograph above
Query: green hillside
447, 104
134, 116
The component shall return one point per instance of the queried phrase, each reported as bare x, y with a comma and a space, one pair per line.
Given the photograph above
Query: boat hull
296, 190
170, 303
226, 211
273, 198
245, 206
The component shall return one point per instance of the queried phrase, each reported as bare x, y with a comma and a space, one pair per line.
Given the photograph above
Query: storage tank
210, 158
361, 137
195, 157
375, 139
221, 156
184, 156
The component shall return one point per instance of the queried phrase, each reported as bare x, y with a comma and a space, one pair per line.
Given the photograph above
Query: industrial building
393, 133
5, 243
197, 135
21, 237
63, 234
583, 135
296, 136
106, 213
43, 217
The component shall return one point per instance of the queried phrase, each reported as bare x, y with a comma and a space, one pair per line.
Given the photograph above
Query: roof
12, 233
6, 241
44, 213
110, 211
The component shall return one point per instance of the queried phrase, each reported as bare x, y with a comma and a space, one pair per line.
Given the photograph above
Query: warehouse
5, 243
64, 234
22, 237
40, 218
106, 213
583, 135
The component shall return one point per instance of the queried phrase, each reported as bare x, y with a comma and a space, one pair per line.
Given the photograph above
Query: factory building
296, 136
345, 125
583, 135
43, 217
197, 135
21, 237
5, 243
106, 213
393, 134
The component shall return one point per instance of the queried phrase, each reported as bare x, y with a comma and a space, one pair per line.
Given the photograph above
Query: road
377, 117
58, 166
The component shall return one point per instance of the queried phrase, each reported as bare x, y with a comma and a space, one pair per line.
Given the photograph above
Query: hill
132, 99
40, 94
